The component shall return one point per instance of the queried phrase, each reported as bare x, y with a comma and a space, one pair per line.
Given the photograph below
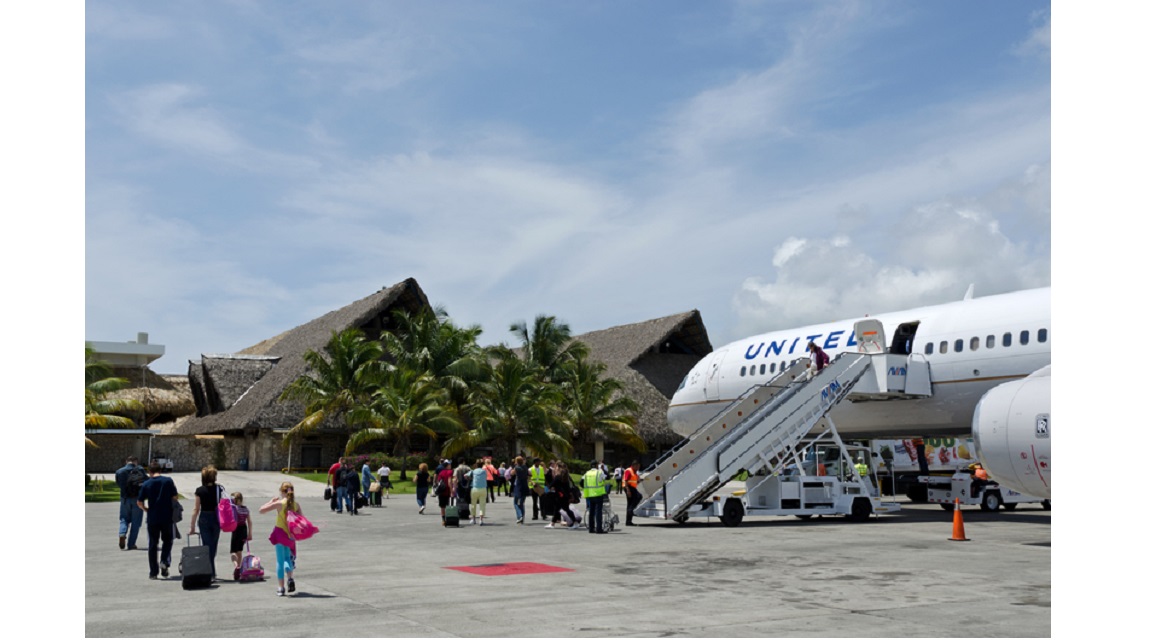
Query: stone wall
189, 453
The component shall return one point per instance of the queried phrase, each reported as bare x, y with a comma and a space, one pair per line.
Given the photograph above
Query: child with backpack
241, 535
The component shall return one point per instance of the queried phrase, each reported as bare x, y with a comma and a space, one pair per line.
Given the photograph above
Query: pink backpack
225, 511
250, 568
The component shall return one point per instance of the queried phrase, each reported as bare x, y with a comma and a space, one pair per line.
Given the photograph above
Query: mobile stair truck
779, 433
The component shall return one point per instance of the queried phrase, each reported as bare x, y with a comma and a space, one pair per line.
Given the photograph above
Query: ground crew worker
979, 478
537, 481
861, 467
631, 487
594, 490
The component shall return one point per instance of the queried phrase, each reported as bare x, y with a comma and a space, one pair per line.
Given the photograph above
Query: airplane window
1024, 337
929, 349
975, 343
742, 371
1007, 339
1043, 335
991, 342
943, 346
762, 369
773, 367
959, 345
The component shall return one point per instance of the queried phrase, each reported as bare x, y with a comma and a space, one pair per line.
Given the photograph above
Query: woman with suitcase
205, 517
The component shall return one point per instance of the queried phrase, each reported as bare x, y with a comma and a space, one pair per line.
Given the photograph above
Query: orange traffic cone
957, 533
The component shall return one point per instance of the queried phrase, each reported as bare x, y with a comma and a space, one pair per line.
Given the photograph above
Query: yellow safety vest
539, 476
861, 469
593, 484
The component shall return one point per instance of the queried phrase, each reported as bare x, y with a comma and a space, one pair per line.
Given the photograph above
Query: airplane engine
1012, 432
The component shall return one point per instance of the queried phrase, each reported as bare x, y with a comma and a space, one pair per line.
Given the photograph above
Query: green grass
101, 489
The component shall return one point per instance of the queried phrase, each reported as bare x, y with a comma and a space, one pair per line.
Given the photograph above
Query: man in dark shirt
156, 499
130, 515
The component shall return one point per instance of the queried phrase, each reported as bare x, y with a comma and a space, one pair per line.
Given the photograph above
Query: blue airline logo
777, 348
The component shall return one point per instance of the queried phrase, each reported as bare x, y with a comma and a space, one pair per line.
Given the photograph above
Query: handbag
374, 487
177, 511
225, 512
327, 493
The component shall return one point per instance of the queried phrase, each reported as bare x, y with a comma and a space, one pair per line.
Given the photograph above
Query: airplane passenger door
870, 337
711, 385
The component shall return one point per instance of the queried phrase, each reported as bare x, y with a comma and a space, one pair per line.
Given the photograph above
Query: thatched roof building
651, 358
239, 393
163, 397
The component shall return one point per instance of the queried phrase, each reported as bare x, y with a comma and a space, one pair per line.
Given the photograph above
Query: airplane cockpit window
1007, 339
991, 341
975, 343
1024, 337
958, 345
1043, 335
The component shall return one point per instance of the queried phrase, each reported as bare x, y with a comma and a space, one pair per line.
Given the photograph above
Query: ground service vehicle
900, 465
990, 497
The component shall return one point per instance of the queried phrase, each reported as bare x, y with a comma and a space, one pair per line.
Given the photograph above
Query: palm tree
595, 405
100, 411
548, 345
429, 342
338, 381
409, 403
513, 404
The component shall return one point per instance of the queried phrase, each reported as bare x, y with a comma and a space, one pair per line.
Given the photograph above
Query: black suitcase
464, 510
359, 501
451, 516
195, 565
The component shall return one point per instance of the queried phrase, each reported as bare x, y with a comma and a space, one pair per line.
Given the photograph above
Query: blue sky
250, 166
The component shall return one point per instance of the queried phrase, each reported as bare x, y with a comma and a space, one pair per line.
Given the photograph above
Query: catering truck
900, 464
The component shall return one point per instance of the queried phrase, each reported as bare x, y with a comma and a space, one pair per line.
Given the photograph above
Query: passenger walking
241, 535
130, 478
366, 480
204, 514
351, 489
385, 474
492, 480
479, 491
617, 477
156, 499
519, 482
336, 482
444, 482
282, 536
423, 480
564, 490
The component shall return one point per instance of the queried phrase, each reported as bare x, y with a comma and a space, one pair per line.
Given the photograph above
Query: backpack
136, 479
463, 481
225, 511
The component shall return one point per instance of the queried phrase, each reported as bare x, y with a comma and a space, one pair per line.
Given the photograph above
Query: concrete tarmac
384, 573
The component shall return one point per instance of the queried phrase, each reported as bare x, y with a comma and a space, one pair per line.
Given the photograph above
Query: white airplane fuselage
972, 346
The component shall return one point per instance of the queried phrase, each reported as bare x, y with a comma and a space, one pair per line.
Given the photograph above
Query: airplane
991, 352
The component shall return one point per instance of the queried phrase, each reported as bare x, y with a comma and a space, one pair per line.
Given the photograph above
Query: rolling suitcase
452, 516
195, 565
464, 510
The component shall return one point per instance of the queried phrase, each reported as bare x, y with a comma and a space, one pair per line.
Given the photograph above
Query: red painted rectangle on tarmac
509, 569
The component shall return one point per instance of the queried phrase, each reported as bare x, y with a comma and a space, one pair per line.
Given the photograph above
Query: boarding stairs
768, 423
